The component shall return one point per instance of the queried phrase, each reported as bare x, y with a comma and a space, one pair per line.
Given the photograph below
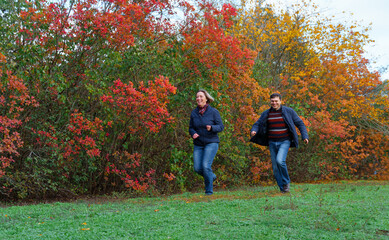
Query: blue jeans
202, 160
278, 152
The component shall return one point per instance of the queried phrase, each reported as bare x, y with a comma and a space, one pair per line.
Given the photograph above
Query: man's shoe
286, 188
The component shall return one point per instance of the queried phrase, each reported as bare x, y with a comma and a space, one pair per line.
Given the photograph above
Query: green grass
357, 210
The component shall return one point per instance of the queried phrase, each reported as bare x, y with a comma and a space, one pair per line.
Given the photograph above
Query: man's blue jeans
278, 153
203, 158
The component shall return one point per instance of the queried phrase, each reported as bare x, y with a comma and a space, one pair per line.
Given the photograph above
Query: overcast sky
365, 12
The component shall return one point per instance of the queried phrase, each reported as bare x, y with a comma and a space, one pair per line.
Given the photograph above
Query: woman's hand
209, 127
195, 136
253, 133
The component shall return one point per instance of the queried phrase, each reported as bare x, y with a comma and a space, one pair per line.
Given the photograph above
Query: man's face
275, 103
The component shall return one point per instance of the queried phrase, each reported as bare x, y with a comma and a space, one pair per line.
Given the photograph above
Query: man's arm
257, 124
255, 127
301, 126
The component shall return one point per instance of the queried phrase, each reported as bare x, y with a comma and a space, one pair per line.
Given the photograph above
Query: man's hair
274, 95
207, 95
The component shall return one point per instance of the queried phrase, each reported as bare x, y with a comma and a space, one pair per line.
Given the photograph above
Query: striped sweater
277, 128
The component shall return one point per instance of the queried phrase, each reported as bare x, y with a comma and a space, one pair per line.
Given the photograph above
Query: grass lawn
346, 210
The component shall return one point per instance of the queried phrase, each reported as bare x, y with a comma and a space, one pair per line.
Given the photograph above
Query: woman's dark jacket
291, 119
198, 124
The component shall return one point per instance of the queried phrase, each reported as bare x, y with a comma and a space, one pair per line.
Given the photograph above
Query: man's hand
209, 127
253, 133
306, 141
195, 136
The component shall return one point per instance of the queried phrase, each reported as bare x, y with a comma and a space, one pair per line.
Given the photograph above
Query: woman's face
201, 99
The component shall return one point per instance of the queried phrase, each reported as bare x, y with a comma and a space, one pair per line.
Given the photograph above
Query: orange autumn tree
338, 77
319, 68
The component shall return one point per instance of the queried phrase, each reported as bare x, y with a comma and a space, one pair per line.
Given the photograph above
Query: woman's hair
209, 97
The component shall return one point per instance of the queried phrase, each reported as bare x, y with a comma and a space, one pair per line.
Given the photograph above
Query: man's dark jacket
198, 124
291, 119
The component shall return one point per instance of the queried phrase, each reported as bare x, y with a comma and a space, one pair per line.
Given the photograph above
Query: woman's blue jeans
278, 153
203, 158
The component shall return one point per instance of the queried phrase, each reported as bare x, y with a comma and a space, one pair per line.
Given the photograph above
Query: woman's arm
218, 126
192, 131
